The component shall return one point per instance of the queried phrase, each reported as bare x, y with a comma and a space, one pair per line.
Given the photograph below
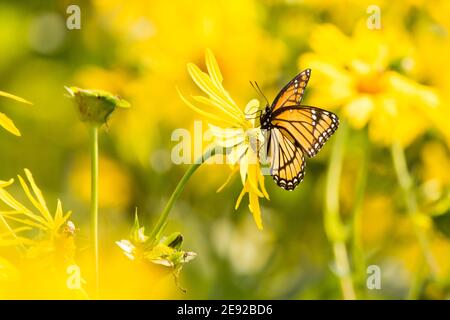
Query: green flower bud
95, 106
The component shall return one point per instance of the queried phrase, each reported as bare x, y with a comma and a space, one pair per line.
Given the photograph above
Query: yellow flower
358, 73
146, 41
6, 122
56, 231
240, 136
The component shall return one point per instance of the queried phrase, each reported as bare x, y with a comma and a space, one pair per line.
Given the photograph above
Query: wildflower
55, 239
95, 106
167, 252
235, 132
358, 73
7, 123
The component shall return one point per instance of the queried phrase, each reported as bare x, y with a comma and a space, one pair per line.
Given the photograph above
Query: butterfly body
294, 130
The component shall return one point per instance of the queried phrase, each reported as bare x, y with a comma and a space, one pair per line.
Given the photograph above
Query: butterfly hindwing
287, 160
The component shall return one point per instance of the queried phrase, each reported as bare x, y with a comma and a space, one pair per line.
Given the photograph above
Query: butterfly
294, 130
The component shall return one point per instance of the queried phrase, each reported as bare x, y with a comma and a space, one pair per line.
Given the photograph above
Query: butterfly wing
309, 127
287, 160
294, 131
292, 93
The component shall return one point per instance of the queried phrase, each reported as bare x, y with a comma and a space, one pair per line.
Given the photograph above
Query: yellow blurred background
390, 87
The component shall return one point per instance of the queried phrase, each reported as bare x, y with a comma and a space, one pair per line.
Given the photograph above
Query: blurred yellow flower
6, 122
154, 39
45, 240
240, 136
356, 73
52, 227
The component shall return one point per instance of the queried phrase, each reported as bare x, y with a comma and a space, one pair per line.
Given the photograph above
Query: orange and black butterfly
294, 130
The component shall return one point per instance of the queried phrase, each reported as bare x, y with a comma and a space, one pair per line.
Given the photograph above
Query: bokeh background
390, 87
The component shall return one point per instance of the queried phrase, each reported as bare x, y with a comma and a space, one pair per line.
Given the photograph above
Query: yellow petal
243, 168
359, 110
209, 115
220, 106
253, 179
43, 210
11, 96
203, 81
36, 189
216, 76
329, 41
236, 154
252, 107
4, 184
28, 222
241, 195
7, 124
255, 209
262, 185
13, 203
229, 137
213, 68
227, 181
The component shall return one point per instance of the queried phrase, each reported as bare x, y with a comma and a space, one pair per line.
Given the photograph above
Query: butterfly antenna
258, 89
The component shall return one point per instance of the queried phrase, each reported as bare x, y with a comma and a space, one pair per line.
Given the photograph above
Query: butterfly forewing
294, 130
310, 127
292, 93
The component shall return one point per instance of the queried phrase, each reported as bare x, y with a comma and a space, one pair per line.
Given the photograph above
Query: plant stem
359, 261
334, 227
93, 136
406, 183
162, 221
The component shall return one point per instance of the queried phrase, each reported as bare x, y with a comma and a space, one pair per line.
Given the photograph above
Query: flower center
370, 83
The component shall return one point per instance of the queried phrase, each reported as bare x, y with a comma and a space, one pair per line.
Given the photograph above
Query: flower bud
95, 106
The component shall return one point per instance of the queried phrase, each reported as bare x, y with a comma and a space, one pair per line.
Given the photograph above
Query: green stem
162, 221
361, 183
334, 227
93, 133
406, 183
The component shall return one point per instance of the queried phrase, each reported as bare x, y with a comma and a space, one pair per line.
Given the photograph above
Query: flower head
95, 106
360, 74
55, 231
7, 123
232, 130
